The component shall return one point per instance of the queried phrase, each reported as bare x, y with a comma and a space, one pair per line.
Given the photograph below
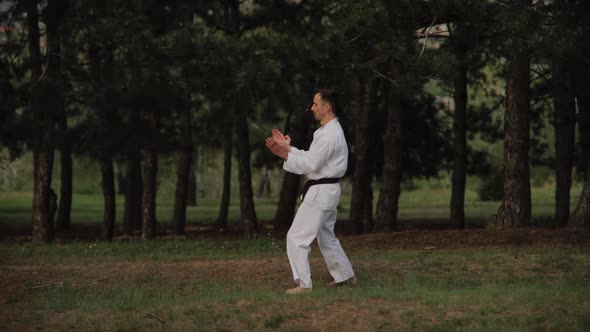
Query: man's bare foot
297, 290
349, 282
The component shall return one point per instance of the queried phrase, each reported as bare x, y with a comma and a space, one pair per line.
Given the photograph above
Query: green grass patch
138, 250
475, 289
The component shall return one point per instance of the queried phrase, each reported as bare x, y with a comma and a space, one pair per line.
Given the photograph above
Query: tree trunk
516, 208
65, 192
182, 182
248, 221
581, 86
56, 11
361, 181
290, 186
148, 204
226, 187
459, 174
40, 99
133, 194
581, 215
108, 192
42, 210
368, 219
287, 201
184, 167
565, 128
387, 204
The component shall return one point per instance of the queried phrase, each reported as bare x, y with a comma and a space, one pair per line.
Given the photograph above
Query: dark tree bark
581, 86
41, 106
65, 192
183, 169
459, 174
364, 95
248, 220
565, 126
182, 182
108, 192
148, 203
133, 194
66, 175
287, 201
581, 215
387, 204
42, 219
297, 130
516, 208
368, 219
226, 187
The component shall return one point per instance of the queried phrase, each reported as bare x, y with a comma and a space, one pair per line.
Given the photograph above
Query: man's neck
327, 119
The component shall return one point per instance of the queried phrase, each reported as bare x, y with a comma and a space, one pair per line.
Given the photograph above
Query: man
324, 164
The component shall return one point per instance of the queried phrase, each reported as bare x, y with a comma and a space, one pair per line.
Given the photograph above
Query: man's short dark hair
330, 96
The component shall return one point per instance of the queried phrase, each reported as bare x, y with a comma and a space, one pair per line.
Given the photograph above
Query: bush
491, 187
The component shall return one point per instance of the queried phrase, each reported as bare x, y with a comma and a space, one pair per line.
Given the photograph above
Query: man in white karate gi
324, 164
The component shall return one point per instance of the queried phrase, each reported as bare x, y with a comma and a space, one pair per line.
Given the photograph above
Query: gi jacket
327, 157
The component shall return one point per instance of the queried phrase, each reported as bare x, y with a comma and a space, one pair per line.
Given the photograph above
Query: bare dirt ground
16, 281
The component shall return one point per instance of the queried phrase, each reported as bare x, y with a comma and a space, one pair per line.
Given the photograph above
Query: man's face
319, 108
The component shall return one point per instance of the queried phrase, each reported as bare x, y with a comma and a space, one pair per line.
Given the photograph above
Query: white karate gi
327, 158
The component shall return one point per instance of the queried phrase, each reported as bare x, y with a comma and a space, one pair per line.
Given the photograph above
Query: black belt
310, 183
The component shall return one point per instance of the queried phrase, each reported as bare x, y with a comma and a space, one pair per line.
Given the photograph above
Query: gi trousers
312, 222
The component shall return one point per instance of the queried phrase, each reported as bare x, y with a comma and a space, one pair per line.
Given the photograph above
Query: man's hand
284, 141
275, 148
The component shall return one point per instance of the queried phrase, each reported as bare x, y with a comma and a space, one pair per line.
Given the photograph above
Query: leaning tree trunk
565, 126
387, 204
248, 221
581, 77
108, 193
581, 215
364, 101
40, 106
516, 208
581, 86
459, 174
297, 130
226, 186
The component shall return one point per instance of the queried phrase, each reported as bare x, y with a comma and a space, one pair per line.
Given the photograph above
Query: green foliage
194, 66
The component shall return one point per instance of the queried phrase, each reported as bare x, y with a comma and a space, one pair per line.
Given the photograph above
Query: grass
481, 289
219, 285
155, 250
422, 203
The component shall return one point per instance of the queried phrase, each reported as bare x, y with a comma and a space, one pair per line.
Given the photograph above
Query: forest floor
409, 279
